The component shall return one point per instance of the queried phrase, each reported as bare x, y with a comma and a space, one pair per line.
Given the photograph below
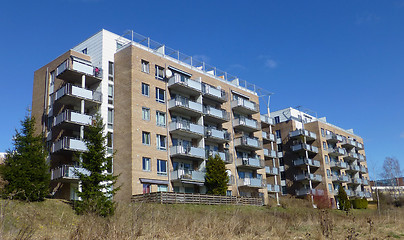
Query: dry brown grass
54, 219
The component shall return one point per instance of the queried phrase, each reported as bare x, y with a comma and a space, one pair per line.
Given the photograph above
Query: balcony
72, 69
186, 129
188, 176
250, 163
69, 144
246, 125
71, 120
184, 85
338, 165
67, 173
185, 106
348, 143
69, 94
355, 181
299, 133
265, 120
268, 136
301, 147
225, 156
363, 169
361, 157
359, 146
305, 191
271, 170
349, 192
213, 93
365, 181
353, 168
307, 177
244, 106
218, 136
333, 138
251, 182
215, 115
273, 188
270, 153
305, 162
359, 194
192, 153
335, 152
340, 178
368, 195
351, 156
280, 154
248, 143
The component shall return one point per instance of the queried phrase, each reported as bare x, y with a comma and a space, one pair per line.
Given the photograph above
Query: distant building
394, 187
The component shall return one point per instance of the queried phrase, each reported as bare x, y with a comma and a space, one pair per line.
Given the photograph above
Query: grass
54, 219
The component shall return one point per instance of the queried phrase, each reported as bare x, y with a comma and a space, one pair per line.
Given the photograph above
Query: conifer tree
25, 167
343, 201
216, 178
97, 186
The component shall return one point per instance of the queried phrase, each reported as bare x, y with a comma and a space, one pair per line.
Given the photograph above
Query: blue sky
342, 59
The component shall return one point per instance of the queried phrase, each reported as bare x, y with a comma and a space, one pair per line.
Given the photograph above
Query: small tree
216, 178
391, 170
25, 168
343, 201
97, 186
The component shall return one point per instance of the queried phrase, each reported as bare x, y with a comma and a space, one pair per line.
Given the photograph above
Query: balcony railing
273, 188
215, 93
267, 120
68, 172
269, 153
217, 114
268, 136
217, 135
184, 105
356, 180
359, 194
246, 124
74, 91
361, 157
69, 116
333, 138
306, 161
251, 182
186, 128
365, 181
348, 143
359, 145
250, 162
354, 168
300, 132
306, 176
336, 151
271, 170
191, 152
340, 178
184, 84
78, 66
305, 191
69, 144
225, 156
248, 143
245, 106
188, 175
338, 164
351, 156
363, 169
302, 146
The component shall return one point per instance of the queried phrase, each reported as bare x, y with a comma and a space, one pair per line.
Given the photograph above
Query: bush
359, 203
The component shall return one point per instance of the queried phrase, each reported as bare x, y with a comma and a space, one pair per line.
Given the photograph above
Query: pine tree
97, 187
25, 167
343, 201
216, 178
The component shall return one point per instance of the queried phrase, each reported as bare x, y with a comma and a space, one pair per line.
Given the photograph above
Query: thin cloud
269, 62
366, 18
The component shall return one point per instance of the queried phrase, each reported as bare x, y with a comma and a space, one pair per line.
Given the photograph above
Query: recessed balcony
191, 153
270, 153
300, 133
69, 144
265, 120
248, 143
301, 147
188, 176
246, 125
217, 136
216, 115
336, 152
185, 106
340, 178
67, 173
184, 85
251, 182
213, 93
244, 106
333, 138
271, 170
306, 177
306, 162
225, 156
273, 188
250, 163
69, 94
338, 165
186, 129
73, 68
71, 120
268, 136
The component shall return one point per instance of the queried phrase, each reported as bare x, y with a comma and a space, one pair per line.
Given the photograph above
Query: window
284, 191
84, 51
280, 148
159, 72
119, 45
110, 78
228, 193
161, 142
146, 114
110, 94
277, 120
110, 68
324, 145
110, 118
146, 138
110, 139
281, 162
322, 132
283, 176
328, 173
160, 95
146, 164
160, 119
278, 134
146, 188
162, 188
330, 187
145, 89
145, 66
326, 158
161, 167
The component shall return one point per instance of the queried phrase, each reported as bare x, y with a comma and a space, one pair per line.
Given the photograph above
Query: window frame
145, 110
146, 164
158, 142
145, 87
145, 66
157, 69
158, 90
159, 115
146, 140
159, 165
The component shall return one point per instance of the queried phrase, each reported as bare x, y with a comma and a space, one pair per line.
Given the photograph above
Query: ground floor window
162, 188
146, 188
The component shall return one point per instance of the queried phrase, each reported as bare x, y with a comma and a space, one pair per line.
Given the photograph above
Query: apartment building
165, 113
319, 157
